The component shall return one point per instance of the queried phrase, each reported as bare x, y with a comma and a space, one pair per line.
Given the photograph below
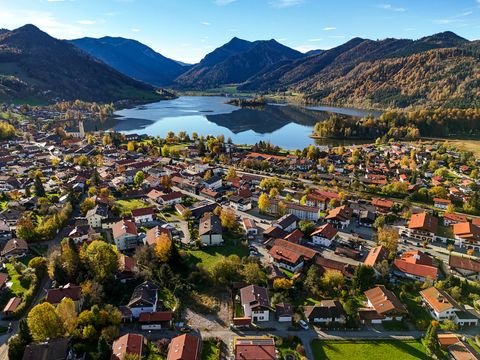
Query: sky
187, 30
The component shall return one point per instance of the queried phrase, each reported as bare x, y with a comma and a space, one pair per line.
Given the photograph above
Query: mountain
434, 70
38, 67
133, 59
235, 62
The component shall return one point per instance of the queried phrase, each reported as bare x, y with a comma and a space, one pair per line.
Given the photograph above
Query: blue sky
186, 30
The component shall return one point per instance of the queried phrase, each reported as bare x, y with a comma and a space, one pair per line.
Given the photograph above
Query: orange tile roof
376, 255
439, 300
423, 221
327, 231
184, 347
467, 231
127, 344
284, 254
382, 203
254, 348
384, 301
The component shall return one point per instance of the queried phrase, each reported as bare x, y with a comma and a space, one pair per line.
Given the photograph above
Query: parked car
303, 324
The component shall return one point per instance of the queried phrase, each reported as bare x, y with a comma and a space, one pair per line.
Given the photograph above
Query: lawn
208, 256
18, 287
211, 350
169, 301
365, 349
126, 206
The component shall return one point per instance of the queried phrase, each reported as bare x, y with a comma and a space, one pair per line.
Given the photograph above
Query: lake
287, 126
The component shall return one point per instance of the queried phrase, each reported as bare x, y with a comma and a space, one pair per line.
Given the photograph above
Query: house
465, 267
467, 235
287, 223
240, 203
80, 233
376, 255
156, 320
422, 227
442, 307
340, 217
5, 232
251, 230
74, 292
58, 349
325, 264
3, 280
286, 258
144, 299
307, 253
324, 235
132, 344
254, 348
210, 230
329, 311
284, 312
127, 268
274, 232
382, 305
450, 219
143, 215
210, 194
295, 236
96, 215
255, 302
366, 218
125, 235
382, 206
14, 248
185, 347
462, 351
441, 203
171, 198
415, 265
302, 212
154, 233
12, 305
213, 183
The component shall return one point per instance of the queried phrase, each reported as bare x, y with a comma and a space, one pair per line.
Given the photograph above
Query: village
192, 247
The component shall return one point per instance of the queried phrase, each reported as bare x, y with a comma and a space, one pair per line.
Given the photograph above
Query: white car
303, 324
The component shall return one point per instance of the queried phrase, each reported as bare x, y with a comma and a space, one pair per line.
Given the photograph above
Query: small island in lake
247, 103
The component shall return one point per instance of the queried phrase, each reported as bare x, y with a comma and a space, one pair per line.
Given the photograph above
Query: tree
101, 259
92, 292
253, 274
379, 222
388, 237
68, 314
264, 203
227, 217
165, 151
38, 185
139, 177
131, 146
44, 323
231, 174
208, 174
17, 344
87, 204
273, 193
332, 280
226, 270
306, 227
312, 280
281, 208
363, 278
282, 284
430, 341
163, 247
450, 209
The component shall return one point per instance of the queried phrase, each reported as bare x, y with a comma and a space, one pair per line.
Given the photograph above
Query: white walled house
96, 215
210, 230
143, 215
144, 299
125, 235
324, 235
255, 303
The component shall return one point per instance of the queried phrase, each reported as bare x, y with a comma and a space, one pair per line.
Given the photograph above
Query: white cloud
55, 0
389, 7
286, 3
315, 40
206, 23
329, 28
135, 30
86, 22
224, 2
305, 48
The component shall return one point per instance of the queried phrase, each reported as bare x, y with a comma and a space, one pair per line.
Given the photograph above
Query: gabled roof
295, 236
384, 301
423, 221
184, 347
124, 227
145, 293
210, 223
54, 296
128, 344
467, 231
464, 263
307, 253
382, 203
143, 211
286, 220
341, 213
14, 245
50, 350
255, 348
153, 233
157, 316
255, 296
329, 264
326, 310
439, 300
416, 263
376, 255
326, 231
280, 253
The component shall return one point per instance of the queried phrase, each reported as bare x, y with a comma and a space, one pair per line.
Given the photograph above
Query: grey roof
145, 293
326, 310
286, 220
210, 223
101, 210
51, 350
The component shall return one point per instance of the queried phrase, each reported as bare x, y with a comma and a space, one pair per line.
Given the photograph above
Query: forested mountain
37, 67
235, 62
133, 59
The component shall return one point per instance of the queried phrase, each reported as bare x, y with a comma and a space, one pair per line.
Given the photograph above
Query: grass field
467, 145
367, 350
126, 206
207, 257
17, 287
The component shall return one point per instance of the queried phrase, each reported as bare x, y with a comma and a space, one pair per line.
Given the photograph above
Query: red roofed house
133, 344
286, 258
324, 235
383, 305
171, 198
376, 255
143, 215
450, 219
154, 233
467, 235
254, 348
382, 205
465, 267
125, 235
156, 320
441, 203
12, 305
340, 217
250, 228
185, 347
255, 302
422, 226
74, 292
415, 265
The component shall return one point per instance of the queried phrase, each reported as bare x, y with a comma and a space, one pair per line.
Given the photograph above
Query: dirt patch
206, 312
